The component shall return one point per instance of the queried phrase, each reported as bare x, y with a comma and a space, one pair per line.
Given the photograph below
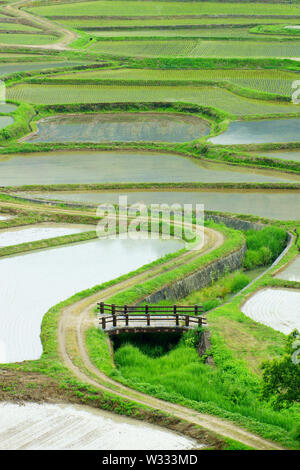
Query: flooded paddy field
16, 235
5, 217
277, 308
276, 205
33, 426
5, 121
291, 272
202, 95
126, 127
33, 282
256, 132
7, 107
121, 166
293, 155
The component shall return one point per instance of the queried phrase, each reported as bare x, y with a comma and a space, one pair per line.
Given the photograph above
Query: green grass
34, 39
189, 32
270, 81
100, 22
17, 27
140, 8
197, 48
206, 96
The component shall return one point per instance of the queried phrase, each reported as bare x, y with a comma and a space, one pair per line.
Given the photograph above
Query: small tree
281, 377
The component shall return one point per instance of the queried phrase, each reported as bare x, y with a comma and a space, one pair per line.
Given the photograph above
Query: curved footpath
66, 36
77, 318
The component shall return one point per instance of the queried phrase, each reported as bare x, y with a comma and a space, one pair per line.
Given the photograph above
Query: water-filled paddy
45, 426
16, 235
291, 272
122, 166
293, 155
33, 282
277, 308
7, 107
126, 127
5, 121
255, 132
5, 217
277, 205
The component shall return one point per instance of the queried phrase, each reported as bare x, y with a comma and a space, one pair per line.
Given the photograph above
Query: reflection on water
118, 166
120, 127
291, 272
45, 426
30, 284
14, 236
282, 206
255, 132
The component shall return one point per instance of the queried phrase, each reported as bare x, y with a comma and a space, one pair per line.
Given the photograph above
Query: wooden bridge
116, 319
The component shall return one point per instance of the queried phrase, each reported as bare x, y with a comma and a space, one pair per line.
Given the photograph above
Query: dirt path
73, 323
66, 36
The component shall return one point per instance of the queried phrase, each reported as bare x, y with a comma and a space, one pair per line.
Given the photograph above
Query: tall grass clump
264, 246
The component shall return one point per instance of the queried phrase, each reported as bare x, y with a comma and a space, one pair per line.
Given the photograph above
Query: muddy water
118, 166
5, 121
277, 308
67, 427
30, 284
125, 127
255, 132
282, 206
14, 236
291, 272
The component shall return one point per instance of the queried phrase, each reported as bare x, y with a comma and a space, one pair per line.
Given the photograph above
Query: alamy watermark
296, 93
155, 221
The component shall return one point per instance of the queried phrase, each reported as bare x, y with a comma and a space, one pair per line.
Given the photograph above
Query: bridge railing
113, 309
157, 320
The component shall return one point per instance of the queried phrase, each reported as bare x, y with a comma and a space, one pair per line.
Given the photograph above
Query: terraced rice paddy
5, 121
179, 33
255, 132
197, 48
281, 154
4, 217
125, 127
7, 107
140, 8
277, 308
15, 236
207, 96
32, 274
269, 81
273, 205
26, 39
33, 426
121, 166
7, 68
291, 272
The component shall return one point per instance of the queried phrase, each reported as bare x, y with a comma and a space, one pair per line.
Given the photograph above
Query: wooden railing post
177, 319
200, 321
187, 320
114, 320
101, 307
148, 319
126, 319
125, 309
103, 323
174, 309
113, 309
147, 309
196, 310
